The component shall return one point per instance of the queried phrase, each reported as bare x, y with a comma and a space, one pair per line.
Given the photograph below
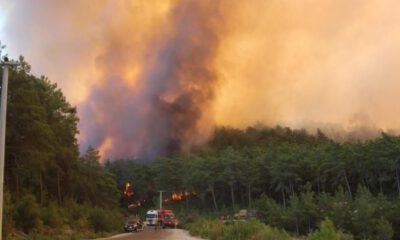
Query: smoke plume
152, 77
166, 110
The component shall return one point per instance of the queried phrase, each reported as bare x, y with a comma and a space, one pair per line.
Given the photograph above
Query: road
151, 234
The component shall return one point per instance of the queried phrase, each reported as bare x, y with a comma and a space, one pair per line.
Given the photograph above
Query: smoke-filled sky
153, 76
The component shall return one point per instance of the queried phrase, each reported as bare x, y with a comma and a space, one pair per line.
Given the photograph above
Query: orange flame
127, 191
177, 196
136, 204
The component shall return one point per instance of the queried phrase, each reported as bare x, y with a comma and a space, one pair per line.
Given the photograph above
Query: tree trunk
398, 181
17, 186
347, 184
367, 184
283, 197
380, 184
291, 188
249, 194
213, 197
297, 226
58, 186
187, 201
41, 188
232, 195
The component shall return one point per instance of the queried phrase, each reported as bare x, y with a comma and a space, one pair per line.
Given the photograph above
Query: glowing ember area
127, 189
136, 204
177, 196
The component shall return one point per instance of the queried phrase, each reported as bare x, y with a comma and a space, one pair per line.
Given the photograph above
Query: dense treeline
44, 175
295, 178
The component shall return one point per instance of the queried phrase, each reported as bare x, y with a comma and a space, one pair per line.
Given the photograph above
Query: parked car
134, 226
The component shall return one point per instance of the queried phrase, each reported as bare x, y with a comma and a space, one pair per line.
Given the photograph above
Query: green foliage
336, 207
392, 213
327, 231
95, 184
270, 233
306, 177
102, 220
27, 214
41, 146
8, 211
51, 215
273, 213
42, 169
382, 230
70, 221
253, 229
202, 227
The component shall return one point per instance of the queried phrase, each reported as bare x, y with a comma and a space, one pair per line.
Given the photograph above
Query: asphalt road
151, 234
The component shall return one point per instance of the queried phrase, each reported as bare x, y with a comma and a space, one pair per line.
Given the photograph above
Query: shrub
273, 234
326, 232
8, 211
241, 230
382, 230
105, 220
274, 214
77, 215
202, 227
27, 214
51, 215
253, 229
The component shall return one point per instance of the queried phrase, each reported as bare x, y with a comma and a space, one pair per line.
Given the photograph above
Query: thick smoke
165, 110
153, 76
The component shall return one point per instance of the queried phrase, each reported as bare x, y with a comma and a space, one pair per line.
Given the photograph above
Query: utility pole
161, 198
5, 64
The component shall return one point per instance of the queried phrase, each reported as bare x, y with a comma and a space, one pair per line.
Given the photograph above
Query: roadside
150, 234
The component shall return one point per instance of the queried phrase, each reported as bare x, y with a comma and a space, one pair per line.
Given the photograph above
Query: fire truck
161, 217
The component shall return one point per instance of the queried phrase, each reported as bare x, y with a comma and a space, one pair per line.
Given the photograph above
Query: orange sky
300, 63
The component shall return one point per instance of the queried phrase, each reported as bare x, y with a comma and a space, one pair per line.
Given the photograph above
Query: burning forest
132, 201
169, 108
204, 107
155, 77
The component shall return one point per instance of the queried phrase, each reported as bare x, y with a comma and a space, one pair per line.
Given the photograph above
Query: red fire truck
161, 217
167, 218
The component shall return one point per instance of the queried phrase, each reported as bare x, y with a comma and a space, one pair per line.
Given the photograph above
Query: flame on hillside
136, 204
128, 189
177, 196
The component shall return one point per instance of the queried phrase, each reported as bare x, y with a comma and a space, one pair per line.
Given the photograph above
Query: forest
50, 188
294, 178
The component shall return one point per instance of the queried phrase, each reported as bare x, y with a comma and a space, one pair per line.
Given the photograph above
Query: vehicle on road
168, 218
134, 225
161, 217
152, 218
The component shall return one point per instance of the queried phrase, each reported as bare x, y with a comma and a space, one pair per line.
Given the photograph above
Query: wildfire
177, 196
136, 204
127, 189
